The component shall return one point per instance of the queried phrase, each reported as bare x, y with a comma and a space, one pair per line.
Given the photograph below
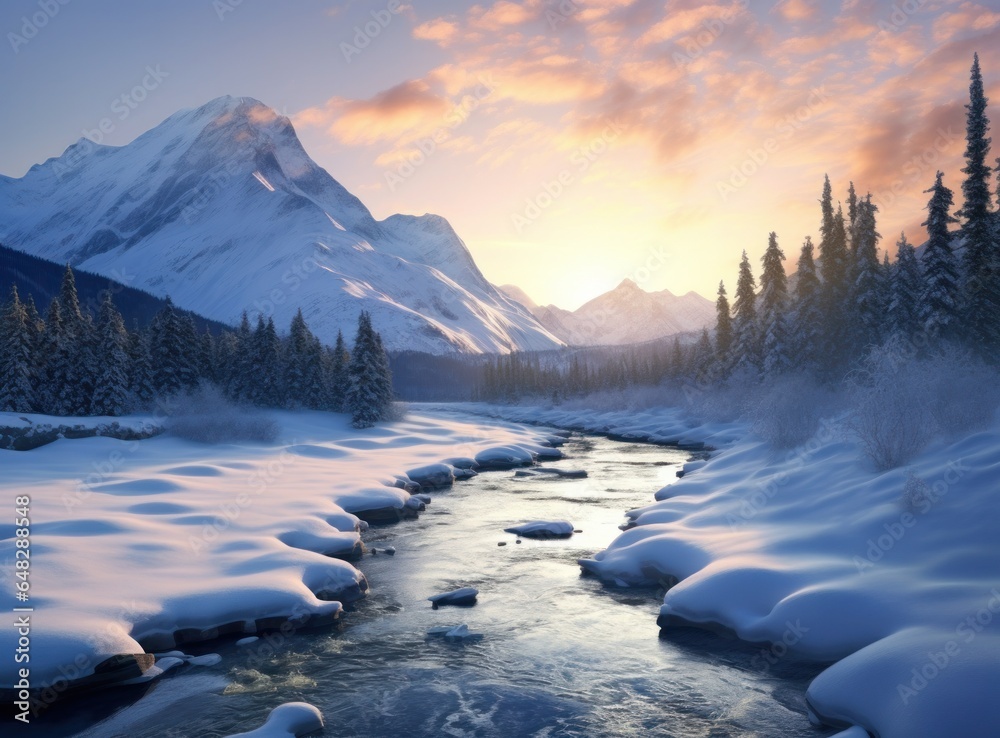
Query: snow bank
147, 545
815, 555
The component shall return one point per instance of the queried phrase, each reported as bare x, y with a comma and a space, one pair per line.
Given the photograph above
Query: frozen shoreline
144, 546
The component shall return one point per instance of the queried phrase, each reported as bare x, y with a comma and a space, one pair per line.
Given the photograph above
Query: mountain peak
224, 193
627, 284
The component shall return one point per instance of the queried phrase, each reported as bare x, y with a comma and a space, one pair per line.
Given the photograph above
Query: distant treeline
70, 363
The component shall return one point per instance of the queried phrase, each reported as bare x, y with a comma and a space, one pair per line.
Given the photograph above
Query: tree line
70, 363
847, 300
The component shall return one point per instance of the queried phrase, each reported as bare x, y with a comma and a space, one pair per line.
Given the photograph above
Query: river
561, 654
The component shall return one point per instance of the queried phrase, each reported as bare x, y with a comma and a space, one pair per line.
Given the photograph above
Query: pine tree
316, 396
111, 390
940, 301
774, 309
16, 357
171, 347
241, 380
834, 269
907, 288
852, 206
296, 363
338, 378
265, 387
365, 390
982, 250
57, 359
386, 395
746, 333
886, 278
723, 328
808, 320
866, 291
76, 392
140, 370
36, 328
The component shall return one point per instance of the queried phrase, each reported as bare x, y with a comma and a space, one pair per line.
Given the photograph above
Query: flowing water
561, 655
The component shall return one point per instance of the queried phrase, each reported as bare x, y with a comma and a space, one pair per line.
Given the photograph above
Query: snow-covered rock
225, 193
504, 458
289, 720
433, 476
463, 596
542, 529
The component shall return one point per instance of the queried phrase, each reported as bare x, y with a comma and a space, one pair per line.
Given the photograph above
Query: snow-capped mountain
626, 314
221, 208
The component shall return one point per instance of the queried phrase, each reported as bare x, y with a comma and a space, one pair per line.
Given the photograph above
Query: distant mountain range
221, 208
625, 315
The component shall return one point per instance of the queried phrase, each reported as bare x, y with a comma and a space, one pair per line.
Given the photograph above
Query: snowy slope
518, 295
816, 556
221, 208
627, 314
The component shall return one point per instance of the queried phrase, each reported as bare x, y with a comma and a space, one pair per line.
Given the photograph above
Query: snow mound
289, 720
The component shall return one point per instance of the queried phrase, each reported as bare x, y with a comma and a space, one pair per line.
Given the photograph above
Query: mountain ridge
221, 207
626, 314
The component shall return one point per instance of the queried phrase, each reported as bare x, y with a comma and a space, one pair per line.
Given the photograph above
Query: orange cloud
409, 109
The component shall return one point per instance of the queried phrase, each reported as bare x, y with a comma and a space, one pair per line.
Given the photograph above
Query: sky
571, 143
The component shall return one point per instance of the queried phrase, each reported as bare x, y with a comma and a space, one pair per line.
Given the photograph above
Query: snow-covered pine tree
16, 357
746, 332
386, 394
57, 359
866, 301
265, 389
316, 397
808, 312
939, 311
78, 332
704, 354
981, 258
295, 363
207, 368
170, 348
776, 352
364, 400
36, 329
723, 328
241, 376
111, 390
140, 369
338, 378
906, 291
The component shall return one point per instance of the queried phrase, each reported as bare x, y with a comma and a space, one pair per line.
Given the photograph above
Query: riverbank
148, 546
812, 552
